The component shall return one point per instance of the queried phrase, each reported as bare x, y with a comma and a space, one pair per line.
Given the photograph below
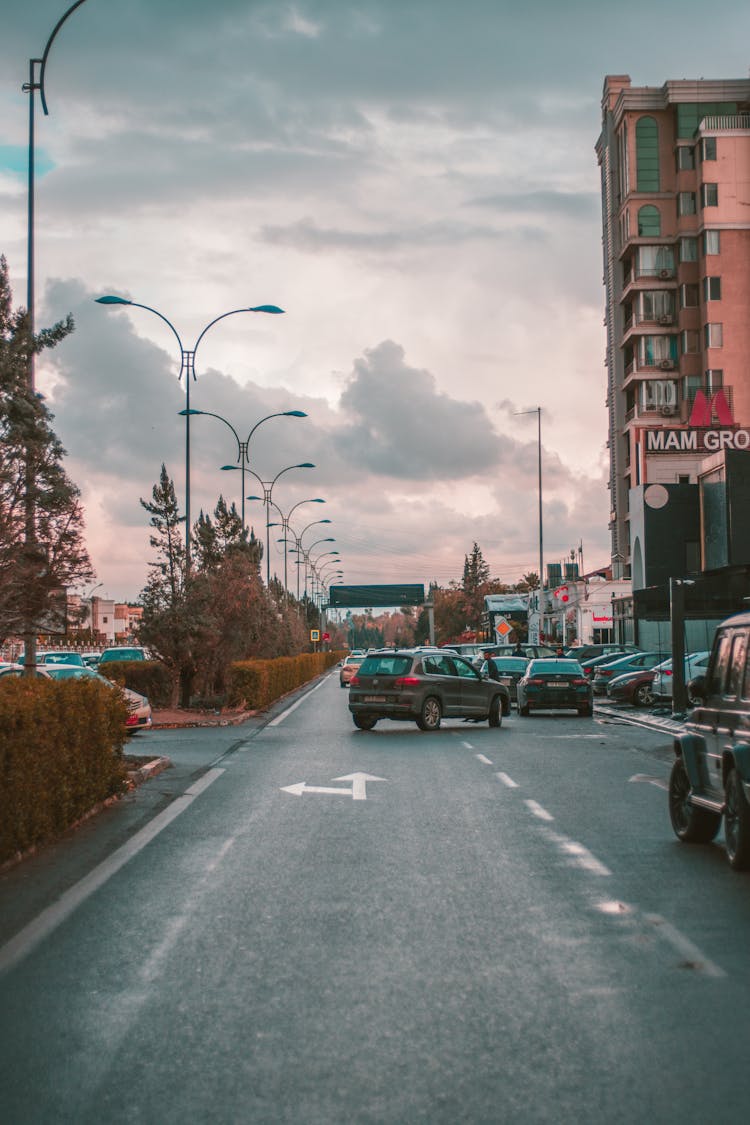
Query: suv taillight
354, 681
407, 681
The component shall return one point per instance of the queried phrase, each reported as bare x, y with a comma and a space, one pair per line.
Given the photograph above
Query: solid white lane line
481, 758
37, 930
685, 946
280, 718
537, 810
511, 784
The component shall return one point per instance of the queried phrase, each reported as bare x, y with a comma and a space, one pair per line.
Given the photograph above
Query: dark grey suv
711, 774
423, 687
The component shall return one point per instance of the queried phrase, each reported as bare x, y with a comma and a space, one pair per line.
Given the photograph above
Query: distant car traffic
423, 687
349, 666
634, 662
554, 684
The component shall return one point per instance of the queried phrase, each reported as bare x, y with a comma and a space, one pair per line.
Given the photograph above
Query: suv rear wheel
736, 823
495, 717
692, 825
431, 714
364, 722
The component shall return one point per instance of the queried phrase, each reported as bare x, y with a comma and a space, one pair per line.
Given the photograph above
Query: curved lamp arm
50, 41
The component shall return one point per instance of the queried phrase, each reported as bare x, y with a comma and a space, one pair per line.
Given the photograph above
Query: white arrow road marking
358, 791
658, 781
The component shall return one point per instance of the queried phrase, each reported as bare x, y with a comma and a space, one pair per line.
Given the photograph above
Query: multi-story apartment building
675, 179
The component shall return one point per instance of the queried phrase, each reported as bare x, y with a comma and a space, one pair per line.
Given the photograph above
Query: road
500, 928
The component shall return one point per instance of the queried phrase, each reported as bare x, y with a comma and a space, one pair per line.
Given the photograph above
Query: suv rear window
385, 666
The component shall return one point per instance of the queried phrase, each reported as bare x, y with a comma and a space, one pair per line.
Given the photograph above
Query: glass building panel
647, 154
649, 221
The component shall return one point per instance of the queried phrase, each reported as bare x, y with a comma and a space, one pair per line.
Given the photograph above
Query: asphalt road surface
307, 923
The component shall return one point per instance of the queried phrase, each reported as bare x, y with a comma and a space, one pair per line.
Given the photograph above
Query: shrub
60, 754
257, 683
149, 677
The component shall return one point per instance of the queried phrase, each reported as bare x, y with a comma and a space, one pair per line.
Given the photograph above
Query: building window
690, 342
659, 394
688, 249
649, 221
659, 351
655, 261
711, 242
689, 296
714, 379
708, 148
691, 384
711, 288
684, 158
647, 154
656, 305
709, 195
714, 335
686, 203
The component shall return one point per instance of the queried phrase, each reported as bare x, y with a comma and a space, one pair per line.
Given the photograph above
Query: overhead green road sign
370, 597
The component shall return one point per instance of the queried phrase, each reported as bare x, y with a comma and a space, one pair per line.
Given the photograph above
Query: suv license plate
374, 699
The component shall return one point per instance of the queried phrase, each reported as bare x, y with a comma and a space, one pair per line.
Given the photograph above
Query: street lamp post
538, 411
267, 499
243, 457
286, 528
37, 69
187, 365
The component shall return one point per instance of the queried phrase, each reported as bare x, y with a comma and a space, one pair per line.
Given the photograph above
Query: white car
695, 665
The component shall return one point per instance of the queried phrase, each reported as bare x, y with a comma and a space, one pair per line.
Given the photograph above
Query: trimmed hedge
60, 754
148, 677
255, 684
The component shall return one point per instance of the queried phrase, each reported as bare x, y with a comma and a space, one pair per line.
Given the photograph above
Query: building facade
675, 181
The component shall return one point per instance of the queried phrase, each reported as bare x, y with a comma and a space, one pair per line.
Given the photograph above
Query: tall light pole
187, 366
538, 411
286, 528
267, 499
243, 456
37, 69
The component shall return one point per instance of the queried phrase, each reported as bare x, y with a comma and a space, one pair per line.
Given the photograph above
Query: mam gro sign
696, 441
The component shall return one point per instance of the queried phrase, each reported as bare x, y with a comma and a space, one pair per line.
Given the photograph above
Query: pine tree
41, 522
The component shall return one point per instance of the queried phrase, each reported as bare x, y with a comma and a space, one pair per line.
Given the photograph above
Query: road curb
149, 770
649, 722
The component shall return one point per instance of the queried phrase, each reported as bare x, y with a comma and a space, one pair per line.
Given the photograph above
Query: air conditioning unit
665, 274
667, 365
668, 411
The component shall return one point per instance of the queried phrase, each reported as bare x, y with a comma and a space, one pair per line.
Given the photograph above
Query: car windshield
552, 667
62, 658
510, 663
71, 672
385, 665
123, 654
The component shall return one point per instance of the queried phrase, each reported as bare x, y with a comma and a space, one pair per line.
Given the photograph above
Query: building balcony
732, 123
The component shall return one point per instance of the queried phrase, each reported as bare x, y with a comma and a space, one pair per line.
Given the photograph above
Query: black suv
711, 774
423, 686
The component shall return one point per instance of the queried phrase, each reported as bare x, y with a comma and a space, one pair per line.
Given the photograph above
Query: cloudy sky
413, 181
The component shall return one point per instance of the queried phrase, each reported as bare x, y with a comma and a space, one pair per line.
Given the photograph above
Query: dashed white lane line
582, 856
38, 929
481, 758
684, 946
537, 810
506, 780
467, 745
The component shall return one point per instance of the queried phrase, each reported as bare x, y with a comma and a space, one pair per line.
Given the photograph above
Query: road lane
436, 952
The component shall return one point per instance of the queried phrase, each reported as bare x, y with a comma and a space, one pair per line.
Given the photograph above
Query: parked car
60, 656
696, 664
582, 653
633, 687
710, 777
593, 662
509, 672
139, 709
122, 652
349, 666
634, 662
423, 687
553, 684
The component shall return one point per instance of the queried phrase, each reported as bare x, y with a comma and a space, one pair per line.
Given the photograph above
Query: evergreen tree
41, 522
476, 571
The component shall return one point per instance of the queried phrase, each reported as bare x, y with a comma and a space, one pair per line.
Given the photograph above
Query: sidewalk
165, 718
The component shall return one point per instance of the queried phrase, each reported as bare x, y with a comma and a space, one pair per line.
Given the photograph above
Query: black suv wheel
692, 825
431, 714
737, 823
495, 717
